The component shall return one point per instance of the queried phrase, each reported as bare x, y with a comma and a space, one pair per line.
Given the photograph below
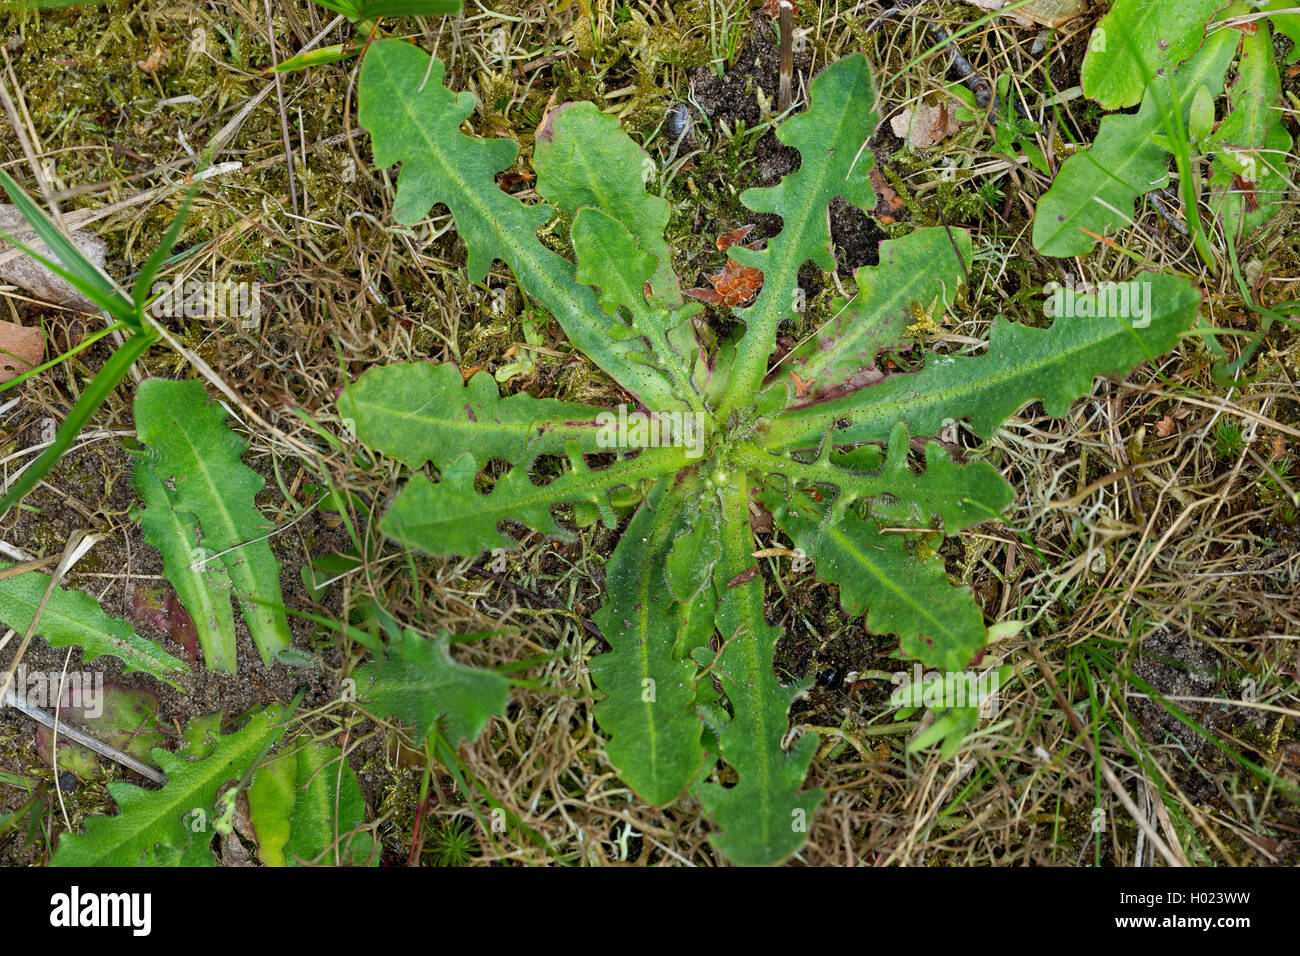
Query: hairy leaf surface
763, 819
417, 412
610, 259
1055, 365
1096, 188
452, 517
926, 268
415, 120
74, 617
649, 681
151, 822
419, 683
203, 588
584, 159
304, 807
897, 578
199, 459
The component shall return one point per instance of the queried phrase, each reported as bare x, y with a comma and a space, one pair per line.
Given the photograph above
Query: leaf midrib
528, 254
783, 430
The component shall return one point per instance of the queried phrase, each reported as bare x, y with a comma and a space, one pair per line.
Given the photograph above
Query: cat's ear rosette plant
688, 682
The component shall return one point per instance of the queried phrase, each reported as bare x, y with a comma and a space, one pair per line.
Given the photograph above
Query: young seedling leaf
610, 260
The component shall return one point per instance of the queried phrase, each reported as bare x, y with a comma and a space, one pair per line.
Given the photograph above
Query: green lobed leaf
901, 585
149, 823
1096, 188
649, 681
415, 120
584, 158
764, 818
194, 453
1055, 365
610, 259
419, 683
957, 495
417, 412
452, 517
923, 267
1138, 40
831, 139
204, 593
898, 578
1251, 142
73, 617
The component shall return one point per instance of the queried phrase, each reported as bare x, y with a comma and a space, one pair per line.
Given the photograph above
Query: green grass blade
80, 271
95, 394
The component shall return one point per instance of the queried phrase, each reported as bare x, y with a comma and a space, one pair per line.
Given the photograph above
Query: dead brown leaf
1046, 13
923, 125
21, 347
154, 62
735, 285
